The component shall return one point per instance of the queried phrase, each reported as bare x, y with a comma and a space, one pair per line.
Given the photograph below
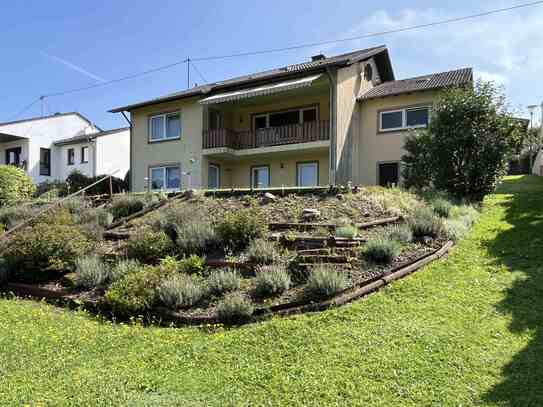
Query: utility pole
188, 72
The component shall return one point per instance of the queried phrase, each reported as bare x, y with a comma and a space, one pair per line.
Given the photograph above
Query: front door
13, 156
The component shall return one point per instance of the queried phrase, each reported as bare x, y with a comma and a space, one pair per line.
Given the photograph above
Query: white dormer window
166, 126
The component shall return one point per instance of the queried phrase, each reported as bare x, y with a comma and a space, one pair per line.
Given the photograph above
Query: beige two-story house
330, 120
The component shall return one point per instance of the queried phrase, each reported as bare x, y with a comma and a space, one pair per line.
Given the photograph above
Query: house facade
51, 147
327, 121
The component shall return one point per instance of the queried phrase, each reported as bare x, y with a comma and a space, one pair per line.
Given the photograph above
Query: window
215, 120
388, 174
213, 176
13, 156
285, 118
260, 177
165, 127
45, 161
71, 156
401, 119
165, 178
84, 154
307, 174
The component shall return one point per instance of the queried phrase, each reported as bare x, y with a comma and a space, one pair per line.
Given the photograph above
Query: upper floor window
71, 156
285, 118
84, 154
165, 126
45, 161
401, 119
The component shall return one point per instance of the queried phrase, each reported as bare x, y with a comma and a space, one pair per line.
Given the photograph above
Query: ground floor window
84, 154
260, 177
45, 161
165, 178
70, 156
307, 174
13, 156
389, 174
213, 176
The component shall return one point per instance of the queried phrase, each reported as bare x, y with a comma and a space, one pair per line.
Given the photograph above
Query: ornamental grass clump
179, 291
347, 231
400, 233
325, 281
272, 280
235, 309
381, 250
424, 222
91, 272
263, 251
222, 281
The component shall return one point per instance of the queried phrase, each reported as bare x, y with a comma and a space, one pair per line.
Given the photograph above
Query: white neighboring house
51, 147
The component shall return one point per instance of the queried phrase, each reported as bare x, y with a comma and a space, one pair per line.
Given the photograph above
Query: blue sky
54, 46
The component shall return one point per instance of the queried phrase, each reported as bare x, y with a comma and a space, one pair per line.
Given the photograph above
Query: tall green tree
465, 148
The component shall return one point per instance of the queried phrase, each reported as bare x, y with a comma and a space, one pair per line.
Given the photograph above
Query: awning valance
261, 90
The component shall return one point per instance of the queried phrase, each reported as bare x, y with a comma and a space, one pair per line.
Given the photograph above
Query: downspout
332, 152
131, 173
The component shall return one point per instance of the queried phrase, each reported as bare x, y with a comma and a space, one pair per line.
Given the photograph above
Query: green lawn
465, 331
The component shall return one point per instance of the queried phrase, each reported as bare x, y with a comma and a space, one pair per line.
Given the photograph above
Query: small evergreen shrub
455, 229
381, 250
466, 213
222, 281
15, 185
324, 282
262, 251
194, 237
123, 268
272, 280
148, 246
97, 216
179, 291
91, 272
400, 233
235, 309
423, 222
188, 265
76, 205
239, 228
127, 204
11, 216
442, 208
348, 231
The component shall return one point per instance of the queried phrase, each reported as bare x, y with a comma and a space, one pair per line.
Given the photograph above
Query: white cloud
74, 67
492, 77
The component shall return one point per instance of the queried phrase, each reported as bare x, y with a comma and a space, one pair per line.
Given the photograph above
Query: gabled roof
88, 137
439, 80
55, 115
291, 71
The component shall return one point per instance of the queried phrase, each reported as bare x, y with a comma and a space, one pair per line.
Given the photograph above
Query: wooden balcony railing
272, 136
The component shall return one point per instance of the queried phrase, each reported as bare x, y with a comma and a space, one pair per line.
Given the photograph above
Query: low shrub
46, 249
77, 181
424, 222
222, 281
187, 265
11, 216
325, 281
148, 246
127, 204
239, 228
179, 291
98, 216
194, 237
466, 213
272, 280
442, 207
51, 189
381, 250
455, 229
15, 185
123, 268
262, 251
400, 233
235, 309
91, 272
348, 231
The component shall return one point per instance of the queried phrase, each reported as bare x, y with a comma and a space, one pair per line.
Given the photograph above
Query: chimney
318, 57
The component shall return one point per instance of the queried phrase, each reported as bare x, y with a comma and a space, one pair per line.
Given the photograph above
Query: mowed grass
467, 330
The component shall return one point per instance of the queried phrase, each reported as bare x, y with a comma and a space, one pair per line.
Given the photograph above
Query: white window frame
218, 168
164, 117
253, 178
163, 168
299, 172
300, 114
404, 125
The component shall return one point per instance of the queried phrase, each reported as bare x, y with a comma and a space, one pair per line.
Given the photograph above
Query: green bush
179, 291
223, 281
187, 265
76, 205
400, 233
424, 222
11, 216
148, 246
98, 216
46, 249
77, 181
123, 268
455, 229
262, 251
442, 208
194, 237
348, 231
91, 272
235, 309
136, 291
466, 213
381, 250
272, 280
127, 204
15, 185
324, 282
239, 228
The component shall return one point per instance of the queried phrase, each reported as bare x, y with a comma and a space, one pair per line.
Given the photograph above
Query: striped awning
260, 90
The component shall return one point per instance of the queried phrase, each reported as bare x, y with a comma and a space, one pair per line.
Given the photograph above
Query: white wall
42, 133
63, 169
113, 153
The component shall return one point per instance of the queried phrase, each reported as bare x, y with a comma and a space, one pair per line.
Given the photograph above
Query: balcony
310, 132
